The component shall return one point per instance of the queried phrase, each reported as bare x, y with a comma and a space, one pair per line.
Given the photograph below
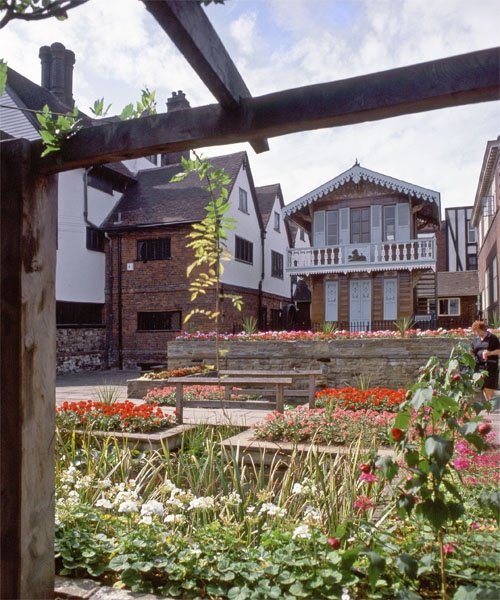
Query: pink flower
448, 549
363, 503
370, 477
461, 463
475, 525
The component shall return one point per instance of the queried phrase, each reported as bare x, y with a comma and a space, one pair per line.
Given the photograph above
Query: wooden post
179, 401
280, 397
28, 215
312, 390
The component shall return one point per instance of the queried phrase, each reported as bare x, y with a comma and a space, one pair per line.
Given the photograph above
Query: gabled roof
491, 154
357, 174
28, 95
266, 196
154, 201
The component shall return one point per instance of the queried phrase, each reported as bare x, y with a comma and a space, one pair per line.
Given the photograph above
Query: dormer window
276, 221
243, 205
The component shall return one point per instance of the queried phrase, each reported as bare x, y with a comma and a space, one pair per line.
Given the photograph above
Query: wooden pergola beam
191, 31
455, 81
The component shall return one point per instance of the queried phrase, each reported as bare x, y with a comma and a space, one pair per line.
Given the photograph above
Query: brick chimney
177, 101
57, 72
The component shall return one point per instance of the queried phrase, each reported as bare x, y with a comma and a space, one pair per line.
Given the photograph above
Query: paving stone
68, 587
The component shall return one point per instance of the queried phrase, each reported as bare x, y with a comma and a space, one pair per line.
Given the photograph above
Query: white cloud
280, 44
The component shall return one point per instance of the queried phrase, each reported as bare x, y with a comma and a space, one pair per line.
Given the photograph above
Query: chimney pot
57, 71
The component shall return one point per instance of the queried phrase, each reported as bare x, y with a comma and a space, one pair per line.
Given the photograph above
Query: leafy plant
403, 325
36, 10
208, 240
494, 321
249, 325
328, 327
440, 409
107, 394
54, 128
3, 76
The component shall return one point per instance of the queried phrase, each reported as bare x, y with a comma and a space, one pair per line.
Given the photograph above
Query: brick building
486, 217
147, 287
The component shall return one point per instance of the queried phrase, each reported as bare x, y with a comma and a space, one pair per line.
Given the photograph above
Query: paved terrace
90, 385
93, 385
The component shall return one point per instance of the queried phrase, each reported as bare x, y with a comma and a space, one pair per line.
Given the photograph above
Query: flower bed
351, 398
165, 396
319, 335
326, 426
116, 416
179, 372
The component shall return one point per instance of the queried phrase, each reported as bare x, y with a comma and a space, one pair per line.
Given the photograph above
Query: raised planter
257, 452
138, 388
167, 438
386, 362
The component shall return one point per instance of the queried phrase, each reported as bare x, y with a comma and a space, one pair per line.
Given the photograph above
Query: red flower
333, 542
365, 467
484, 428
397, 434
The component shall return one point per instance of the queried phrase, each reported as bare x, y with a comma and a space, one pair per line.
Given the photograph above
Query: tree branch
17, 10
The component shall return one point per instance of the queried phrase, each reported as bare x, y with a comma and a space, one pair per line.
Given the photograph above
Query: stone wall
81, 349
379, 362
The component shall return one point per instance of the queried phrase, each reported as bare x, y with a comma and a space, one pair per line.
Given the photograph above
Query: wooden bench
309, 393
228, 383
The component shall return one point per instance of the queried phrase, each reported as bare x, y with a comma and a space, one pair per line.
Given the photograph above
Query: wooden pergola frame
28, 218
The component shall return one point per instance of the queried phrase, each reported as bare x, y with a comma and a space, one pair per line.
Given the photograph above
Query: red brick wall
162, 285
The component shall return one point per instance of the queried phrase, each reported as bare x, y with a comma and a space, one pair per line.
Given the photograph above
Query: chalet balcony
363, 257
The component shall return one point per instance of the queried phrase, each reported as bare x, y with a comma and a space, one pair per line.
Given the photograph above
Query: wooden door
360, 304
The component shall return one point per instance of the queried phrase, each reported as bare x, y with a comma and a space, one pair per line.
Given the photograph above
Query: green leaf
435, 511
470, 592
420, 398
402, 420
439, 448
455, 510
388, 467
407, 565
3, 76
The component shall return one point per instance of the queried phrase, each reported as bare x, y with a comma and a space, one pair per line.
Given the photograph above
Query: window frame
277, 265
242, 249
362, 234
448, 313
94, 239
144, 316
243, 201
332, 227
386, 221
277, 221
154, 249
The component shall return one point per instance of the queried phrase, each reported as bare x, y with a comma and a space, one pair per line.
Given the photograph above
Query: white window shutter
402, 222
319, 229
376, 218
344, 226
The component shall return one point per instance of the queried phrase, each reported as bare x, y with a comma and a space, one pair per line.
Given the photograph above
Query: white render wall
236, 272
80, 273
277, 241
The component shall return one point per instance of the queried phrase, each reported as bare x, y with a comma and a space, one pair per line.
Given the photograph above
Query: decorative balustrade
363, 257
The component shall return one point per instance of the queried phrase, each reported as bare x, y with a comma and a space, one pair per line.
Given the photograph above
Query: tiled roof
27, 94
153, 200
266, 195
457, 283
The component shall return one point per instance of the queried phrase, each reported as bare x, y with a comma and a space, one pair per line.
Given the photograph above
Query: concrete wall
380, 362
81, 349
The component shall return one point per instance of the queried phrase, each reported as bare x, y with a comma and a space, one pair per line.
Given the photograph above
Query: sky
282, 44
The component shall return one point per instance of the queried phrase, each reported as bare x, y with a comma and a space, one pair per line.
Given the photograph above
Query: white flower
250, 510
73, 498
104, 502
175, 502
146, 519
153, 507
202, 502
297, 488
106, 483
311, 513
129, 506
302, 532
233, 498
272, 510
345, 594
174, 519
